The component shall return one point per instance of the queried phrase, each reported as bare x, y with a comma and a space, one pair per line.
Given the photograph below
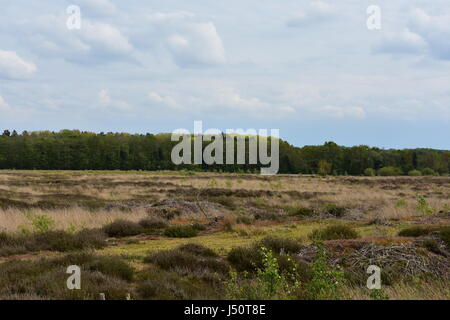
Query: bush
245, 259
180, 232
41, 223
334, 210
390, 171
280, 245
270, 281
415, 232
153, 223
193, 259
52, 240
197, 250
46, 278
442, 231
423, 206
428, 172
326, 281
244, 220
123, 228
370, 172
333, 233
160, 284
198, 227
301, 212
444, 234
63, 241
113, 266
414, 173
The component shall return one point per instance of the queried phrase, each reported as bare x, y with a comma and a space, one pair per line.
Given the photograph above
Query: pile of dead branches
404, 260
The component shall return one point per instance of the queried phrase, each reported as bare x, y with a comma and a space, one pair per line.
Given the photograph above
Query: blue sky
309, 68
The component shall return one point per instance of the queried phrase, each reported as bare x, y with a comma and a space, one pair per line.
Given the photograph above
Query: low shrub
113, 266
334, 210
244, 220
180, 232
158, 284
226, 202
46, 279
326, 281
270, 281
414, 173
153, 223
192, 258
428, 172
334, 232
123, 228
197, 250
415, 231
443, 232
245, 259
390, 171
52, 240
280, 245
198, 227
370, 172
301, 212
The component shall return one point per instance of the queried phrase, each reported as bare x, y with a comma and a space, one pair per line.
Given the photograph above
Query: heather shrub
153, 223
52, 240
123, 228
197, 250
280, 245
180, 232
46, 279
301, 212
191, 258
113, 266
333, 233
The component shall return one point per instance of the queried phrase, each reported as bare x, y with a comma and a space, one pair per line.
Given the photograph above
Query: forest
76, 150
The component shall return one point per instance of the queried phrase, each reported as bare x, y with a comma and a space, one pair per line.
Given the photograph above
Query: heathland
193, 235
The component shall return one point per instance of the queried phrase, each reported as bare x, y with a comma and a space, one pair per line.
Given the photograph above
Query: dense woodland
75, 150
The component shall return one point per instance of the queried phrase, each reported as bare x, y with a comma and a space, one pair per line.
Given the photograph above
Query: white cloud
105, 100
425, 35
167, 101
94, 43
230, 98
14, 67
343, 112
3, 105
100, 7
190, 43
317, 11
104, 37
406, 42
435, 30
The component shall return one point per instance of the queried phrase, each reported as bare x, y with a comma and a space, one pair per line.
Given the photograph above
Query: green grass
223, 242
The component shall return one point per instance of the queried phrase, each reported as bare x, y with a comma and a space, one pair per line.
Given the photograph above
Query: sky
312, 69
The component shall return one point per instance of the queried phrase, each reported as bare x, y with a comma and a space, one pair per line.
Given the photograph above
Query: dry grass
366, 198
70, 219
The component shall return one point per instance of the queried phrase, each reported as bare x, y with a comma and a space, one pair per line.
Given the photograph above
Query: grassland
52, 219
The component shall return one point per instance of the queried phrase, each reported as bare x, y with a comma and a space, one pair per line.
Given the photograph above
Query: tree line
76, 150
